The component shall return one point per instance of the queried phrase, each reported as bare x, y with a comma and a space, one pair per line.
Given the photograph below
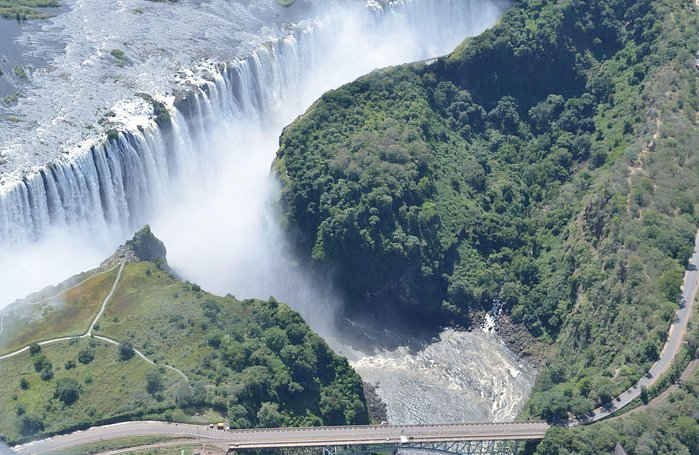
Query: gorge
194, 162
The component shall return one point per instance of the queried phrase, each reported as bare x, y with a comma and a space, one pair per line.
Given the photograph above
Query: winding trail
6, 311
143, 356
92, 327
104, 304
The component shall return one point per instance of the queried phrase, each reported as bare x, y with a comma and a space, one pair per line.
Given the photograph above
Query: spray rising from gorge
203, 182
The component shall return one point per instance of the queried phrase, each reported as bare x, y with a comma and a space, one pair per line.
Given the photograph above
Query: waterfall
110, 188
202, 181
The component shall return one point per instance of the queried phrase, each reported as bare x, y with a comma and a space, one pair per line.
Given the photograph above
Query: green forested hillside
546, 166
668, 428
252, 363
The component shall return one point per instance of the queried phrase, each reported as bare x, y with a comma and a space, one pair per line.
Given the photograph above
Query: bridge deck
298, 437
384, 434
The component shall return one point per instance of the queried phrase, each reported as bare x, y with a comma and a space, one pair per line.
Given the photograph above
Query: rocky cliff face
144, 246
147, 247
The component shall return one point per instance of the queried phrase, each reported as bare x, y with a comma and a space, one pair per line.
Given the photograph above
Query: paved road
672, 346
663, 397
297, 437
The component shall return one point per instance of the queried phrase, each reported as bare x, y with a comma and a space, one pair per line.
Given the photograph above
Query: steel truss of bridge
447, 447
506, 438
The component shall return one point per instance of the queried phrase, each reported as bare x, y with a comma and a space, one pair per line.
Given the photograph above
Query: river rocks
378, 411
520, 341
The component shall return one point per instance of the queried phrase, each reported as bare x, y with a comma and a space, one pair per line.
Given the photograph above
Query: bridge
460, 439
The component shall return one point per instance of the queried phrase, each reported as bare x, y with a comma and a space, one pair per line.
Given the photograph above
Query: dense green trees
527, 170
283, 370
668, 428
256, 362
421, 176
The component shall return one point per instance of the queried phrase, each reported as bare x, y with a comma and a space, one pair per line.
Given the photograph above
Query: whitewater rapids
461, 377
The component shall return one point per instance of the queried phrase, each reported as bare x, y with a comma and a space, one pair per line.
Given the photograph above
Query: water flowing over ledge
110, 187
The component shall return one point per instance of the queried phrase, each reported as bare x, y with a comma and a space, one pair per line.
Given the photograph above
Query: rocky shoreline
378, 410
518, 339
515, 336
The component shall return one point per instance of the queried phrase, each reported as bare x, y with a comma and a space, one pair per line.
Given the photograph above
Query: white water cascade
202, 181
228, 125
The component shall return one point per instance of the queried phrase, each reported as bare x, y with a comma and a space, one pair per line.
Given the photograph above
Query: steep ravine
200, 178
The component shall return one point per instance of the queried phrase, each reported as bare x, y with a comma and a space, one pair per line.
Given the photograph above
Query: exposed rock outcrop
144, 246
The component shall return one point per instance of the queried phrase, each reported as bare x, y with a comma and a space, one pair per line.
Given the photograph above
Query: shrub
126, 350
67, 390
120, 57
41, 362
86, 356
19, 72
47, 372
154, 382
30, 424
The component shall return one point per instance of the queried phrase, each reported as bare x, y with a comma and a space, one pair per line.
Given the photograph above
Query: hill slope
546, 167
256, 363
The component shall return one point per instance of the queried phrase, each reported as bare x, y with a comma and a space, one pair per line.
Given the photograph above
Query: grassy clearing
158, 314
109, 389
65, 313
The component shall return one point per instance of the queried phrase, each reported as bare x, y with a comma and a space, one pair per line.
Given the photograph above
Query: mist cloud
217, 221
